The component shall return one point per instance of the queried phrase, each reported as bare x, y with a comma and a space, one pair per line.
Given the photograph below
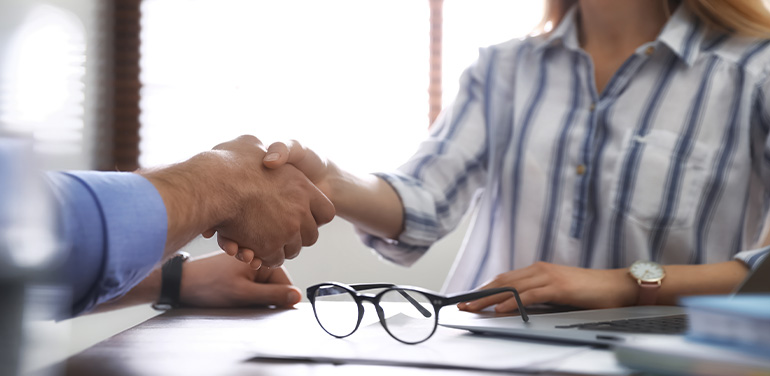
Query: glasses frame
438, 301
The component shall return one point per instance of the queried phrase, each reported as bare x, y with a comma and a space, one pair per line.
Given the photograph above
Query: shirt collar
683, 34
565, 33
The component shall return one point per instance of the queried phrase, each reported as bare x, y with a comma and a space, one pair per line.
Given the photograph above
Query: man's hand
551, 283
368, 202
230, 192
218, 281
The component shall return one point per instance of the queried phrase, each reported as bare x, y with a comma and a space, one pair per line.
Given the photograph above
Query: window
42, 72
470, 24
348, 78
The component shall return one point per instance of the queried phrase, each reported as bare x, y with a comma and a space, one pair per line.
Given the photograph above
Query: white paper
449, 348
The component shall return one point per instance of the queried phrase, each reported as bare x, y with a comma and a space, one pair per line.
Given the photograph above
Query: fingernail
293, 297
272, 157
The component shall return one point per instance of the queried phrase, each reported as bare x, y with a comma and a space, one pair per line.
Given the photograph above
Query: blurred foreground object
29, 258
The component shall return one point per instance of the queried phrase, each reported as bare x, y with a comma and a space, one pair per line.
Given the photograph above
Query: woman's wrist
369, 203
628, 289
716, 278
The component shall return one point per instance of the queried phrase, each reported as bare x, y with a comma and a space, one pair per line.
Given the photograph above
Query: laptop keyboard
675, 324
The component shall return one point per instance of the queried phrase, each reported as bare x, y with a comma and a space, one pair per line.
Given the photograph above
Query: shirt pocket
667, 188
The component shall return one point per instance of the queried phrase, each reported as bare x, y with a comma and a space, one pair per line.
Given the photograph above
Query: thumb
279, 295
277, 155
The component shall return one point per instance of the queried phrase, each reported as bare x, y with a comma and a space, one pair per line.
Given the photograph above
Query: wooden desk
218, 342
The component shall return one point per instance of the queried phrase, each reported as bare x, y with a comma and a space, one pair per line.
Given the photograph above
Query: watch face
646, 271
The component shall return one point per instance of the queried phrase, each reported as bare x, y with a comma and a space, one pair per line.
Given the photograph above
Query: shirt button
593, 106
649, 50
581, 169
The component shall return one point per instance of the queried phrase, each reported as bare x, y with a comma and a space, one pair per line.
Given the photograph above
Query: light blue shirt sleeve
752, 257
113, 226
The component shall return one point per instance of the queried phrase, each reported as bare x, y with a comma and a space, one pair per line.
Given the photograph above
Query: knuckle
296, 144
327, 216
539, 296
311, 237
278, 145
248, 138
292, 254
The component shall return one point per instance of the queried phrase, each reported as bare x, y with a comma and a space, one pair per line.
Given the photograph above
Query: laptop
605, 327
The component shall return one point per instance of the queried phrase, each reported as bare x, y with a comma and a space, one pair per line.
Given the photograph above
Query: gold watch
649, 276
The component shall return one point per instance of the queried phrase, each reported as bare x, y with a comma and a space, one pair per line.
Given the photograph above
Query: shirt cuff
421, 228
753, 257
394, 251
114, 224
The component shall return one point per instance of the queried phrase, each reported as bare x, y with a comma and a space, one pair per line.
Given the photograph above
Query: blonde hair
741, 17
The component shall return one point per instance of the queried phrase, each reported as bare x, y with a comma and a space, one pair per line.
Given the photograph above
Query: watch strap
171, 282
648, 293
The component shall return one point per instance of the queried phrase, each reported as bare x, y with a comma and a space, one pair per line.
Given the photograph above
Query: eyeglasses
409, 314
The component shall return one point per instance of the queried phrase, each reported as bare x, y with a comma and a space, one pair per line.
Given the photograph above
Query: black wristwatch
171, 281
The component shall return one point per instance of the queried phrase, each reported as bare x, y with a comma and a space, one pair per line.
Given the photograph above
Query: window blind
434, 87
42, 74
120, 86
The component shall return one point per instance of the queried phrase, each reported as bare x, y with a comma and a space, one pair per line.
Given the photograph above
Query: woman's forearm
369, 203
717, 278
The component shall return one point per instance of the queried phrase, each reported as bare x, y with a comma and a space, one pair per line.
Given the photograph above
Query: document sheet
448, 348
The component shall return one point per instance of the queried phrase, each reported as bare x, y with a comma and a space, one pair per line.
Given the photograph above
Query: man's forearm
191, 205
145, 292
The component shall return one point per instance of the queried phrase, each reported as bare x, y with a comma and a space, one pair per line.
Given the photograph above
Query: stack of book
727, 335
741, 322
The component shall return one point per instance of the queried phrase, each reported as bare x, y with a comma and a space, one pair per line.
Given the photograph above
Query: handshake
263, 205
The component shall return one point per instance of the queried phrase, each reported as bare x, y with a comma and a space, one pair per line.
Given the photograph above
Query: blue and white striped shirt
670, 162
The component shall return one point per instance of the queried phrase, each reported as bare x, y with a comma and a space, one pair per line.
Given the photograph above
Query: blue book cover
753, 306
738, 321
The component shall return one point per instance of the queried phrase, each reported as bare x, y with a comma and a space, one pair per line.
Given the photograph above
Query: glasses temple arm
484, 293
369, 286
417, 305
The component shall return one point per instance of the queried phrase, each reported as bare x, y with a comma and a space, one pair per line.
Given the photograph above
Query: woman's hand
558, 284
319, 170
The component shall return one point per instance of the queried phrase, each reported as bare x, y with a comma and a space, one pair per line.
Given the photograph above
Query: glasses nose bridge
368, 298
375, 301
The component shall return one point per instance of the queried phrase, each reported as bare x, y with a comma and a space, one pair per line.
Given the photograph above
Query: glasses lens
409, 315
336, 310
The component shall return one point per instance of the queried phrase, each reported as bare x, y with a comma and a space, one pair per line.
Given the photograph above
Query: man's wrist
189, 209
171, 282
